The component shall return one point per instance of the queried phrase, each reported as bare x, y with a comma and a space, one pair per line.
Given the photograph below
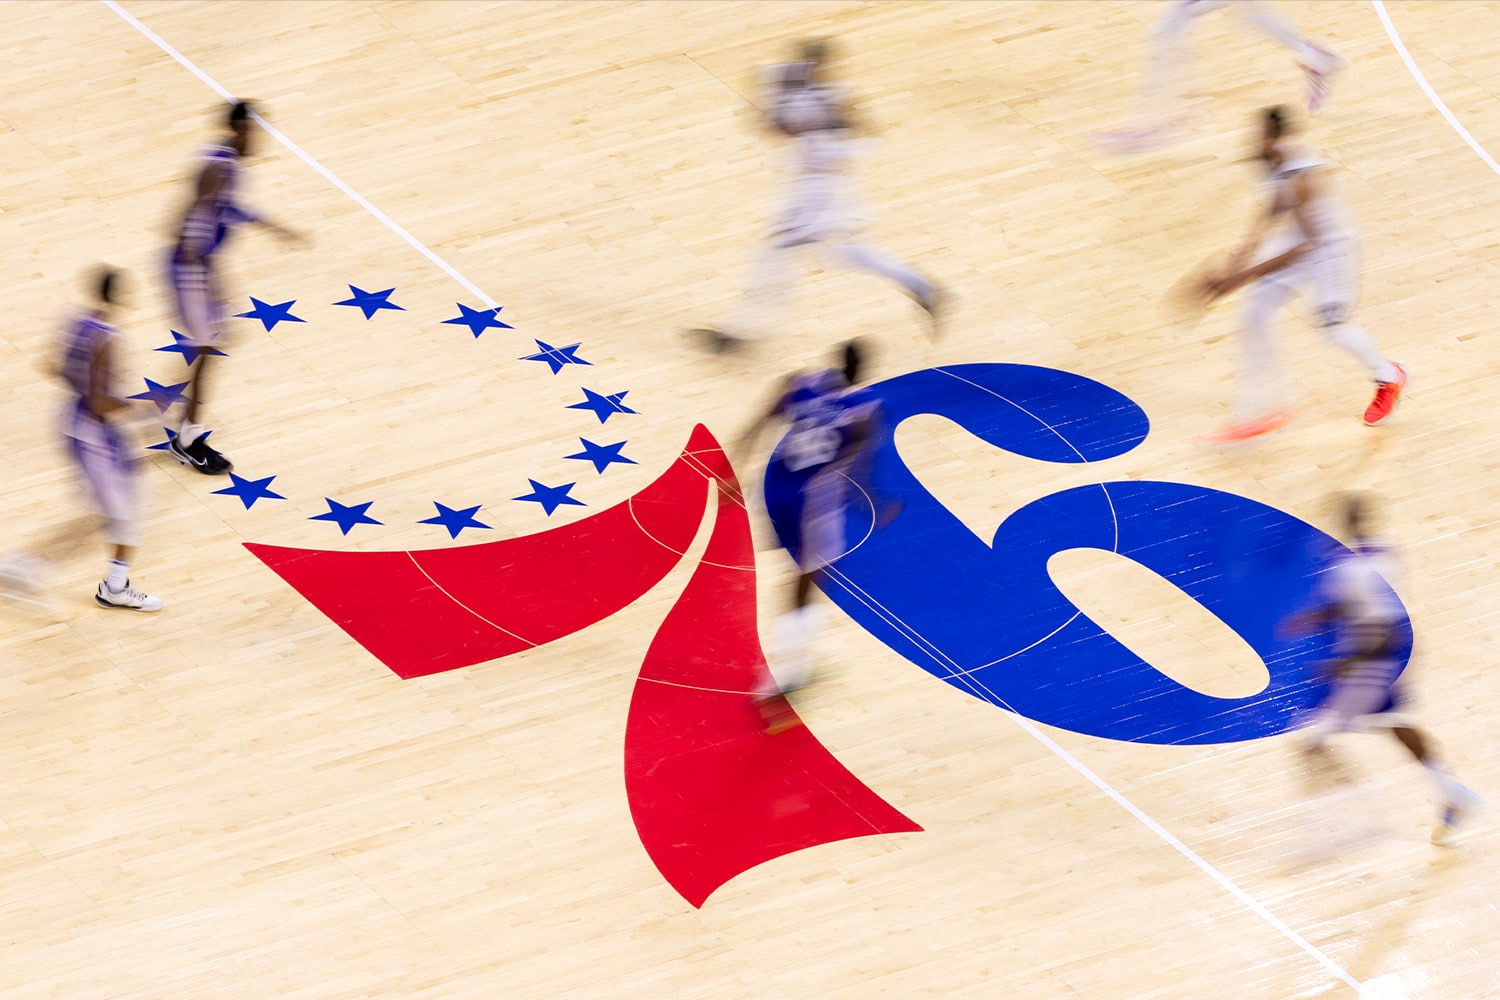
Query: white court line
1437, 102
305, 157
984, 693
1161, 832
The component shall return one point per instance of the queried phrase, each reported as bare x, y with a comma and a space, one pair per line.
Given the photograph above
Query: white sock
1448, 786
118, 575
861, 257
796, 632
1358, 342
188, 433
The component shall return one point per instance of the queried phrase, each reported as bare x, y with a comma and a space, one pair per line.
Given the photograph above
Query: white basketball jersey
1325, 211
811, 113
1359, 582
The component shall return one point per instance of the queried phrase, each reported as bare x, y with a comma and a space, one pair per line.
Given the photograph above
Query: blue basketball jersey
823, 412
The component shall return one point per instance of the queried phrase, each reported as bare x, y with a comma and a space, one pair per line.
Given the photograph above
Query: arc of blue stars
269, 315
550, 497
250, 490
346, 517
190, 351
455, 520
602, 455
370, 303
478, 320
164, 396
602, 406
557, 358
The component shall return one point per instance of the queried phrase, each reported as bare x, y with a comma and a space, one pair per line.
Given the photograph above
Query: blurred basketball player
96, 442
816, 470
1302, 241
210, 216
1160, 118
1355, 601
803, 105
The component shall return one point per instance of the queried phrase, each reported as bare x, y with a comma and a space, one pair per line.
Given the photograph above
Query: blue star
171, 435
478, 320
370, 303
602, 455
454, 520
604, 407
557, 357
345, 517
550, 497
250, 490
270, 315
163, 395
190, 351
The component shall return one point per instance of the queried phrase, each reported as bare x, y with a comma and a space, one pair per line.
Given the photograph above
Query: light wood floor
233, 799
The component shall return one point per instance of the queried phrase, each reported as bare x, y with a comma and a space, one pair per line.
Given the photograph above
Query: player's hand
287, 235
1216, 286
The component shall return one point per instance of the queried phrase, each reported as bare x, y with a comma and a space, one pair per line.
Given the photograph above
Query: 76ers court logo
706, 787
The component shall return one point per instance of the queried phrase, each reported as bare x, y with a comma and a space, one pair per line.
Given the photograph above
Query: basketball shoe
1464, 807
126, 597
1141, 140
1387, 395
1250, 430
1319, 80
201, 457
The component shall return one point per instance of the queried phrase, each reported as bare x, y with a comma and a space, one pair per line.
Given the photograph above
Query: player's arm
774, 412
1240, 272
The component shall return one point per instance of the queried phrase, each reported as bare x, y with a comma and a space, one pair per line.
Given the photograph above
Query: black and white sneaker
201, 457
934, 306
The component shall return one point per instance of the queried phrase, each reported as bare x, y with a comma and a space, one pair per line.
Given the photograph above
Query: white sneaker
1140, 140
1463, 807
1319, 80
128, 597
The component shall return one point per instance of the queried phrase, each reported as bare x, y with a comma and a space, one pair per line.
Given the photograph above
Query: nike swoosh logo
182, 453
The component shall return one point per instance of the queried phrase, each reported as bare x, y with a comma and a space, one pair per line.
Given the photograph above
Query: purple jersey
823, 412
83, 337
207, 222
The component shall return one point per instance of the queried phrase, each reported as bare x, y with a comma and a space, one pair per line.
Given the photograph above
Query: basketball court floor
447, 697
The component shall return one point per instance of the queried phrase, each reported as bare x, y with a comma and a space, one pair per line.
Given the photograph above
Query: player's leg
198, 306
1459, 803
1160, 114
1333, 269
764, 307
107, 472
801, 221
1261, 396
873, 260
1317, 62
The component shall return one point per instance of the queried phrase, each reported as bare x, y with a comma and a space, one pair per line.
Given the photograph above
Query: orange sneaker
1251, 429
778, 715
1387, 395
